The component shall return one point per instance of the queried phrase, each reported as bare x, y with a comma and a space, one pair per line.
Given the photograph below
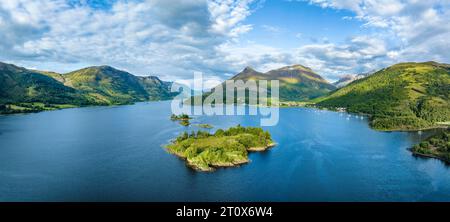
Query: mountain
156, 88
405, 96
107, 85
24, 90
20, 85
347, 79
297, 82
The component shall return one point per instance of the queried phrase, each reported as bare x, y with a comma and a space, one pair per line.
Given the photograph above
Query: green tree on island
205, 151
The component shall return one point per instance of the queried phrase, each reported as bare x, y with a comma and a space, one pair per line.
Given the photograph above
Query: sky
173, 39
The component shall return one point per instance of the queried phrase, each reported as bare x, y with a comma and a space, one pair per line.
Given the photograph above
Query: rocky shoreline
261, 148
212, 167
423, 155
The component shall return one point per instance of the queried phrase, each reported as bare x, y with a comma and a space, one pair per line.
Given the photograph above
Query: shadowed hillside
27, 90
24, 90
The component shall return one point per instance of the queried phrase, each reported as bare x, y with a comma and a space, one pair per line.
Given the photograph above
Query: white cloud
393, 54
165, 37
419, 28
261, 57
207, 82
227, 15
271, 29
358, 54
403, 30
174, 38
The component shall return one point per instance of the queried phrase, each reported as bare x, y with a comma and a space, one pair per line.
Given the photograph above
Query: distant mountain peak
7, 66
345, 80
296, 67
298, 72
104, 68
151, 77
248, 69
349, 78
246, 73
297, 82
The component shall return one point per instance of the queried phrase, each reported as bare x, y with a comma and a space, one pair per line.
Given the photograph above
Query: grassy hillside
406, 96
296, 83
23, 90
26, 91
106, 85
156, 88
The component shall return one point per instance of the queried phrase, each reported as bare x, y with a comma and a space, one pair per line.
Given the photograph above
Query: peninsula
437, 146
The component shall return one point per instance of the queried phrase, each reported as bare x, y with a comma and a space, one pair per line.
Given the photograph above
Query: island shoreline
203, 151
429, 156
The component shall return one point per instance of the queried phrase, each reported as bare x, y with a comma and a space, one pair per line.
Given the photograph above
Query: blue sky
173, 38
291, 24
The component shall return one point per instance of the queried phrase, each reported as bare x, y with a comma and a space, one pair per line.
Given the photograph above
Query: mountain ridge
297, 82
26, 90
349, 78
404, 96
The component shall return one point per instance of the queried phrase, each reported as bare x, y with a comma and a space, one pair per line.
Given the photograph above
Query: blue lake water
116, 154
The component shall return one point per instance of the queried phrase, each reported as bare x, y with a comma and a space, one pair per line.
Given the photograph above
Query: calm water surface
116, 154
